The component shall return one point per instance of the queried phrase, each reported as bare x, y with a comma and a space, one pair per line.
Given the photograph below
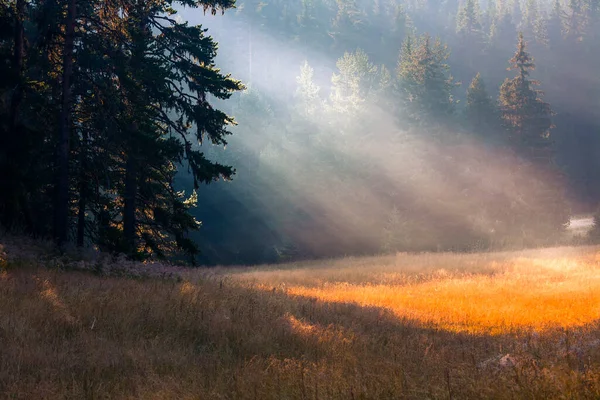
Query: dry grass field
433, 326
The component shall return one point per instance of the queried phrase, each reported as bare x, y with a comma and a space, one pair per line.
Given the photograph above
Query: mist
328, 166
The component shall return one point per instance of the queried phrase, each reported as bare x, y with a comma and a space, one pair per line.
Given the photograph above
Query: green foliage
307, 93
145, 95
356, 79
138, 99
468, 19
481, 113
526, 116
533, 23
347, 26
554, 25
424, 83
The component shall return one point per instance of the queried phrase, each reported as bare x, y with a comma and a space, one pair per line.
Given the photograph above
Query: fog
327, 167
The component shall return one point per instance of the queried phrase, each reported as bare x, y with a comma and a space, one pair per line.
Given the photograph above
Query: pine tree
307, 93
424, 83
481, 113
12, 81
311, 31
490, 15
573, 22
353, 83
117, 94
468, 20
154, 214
516, 12
61, 207
533, 26
502, 31
526, 116
471, 39
555, 26
348, 25
29, 92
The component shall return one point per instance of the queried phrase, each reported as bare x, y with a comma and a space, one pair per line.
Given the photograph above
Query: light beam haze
358, 176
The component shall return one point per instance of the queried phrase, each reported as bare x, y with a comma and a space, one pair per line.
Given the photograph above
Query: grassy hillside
504, 325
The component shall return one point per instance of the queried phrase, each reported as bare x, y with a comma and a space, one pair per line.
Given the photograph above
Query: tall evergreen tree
471, 39
526, 116
120, 88
307, 92
154, 214
573, 22
481, 113
355, 80
490, 15
555, 26
533, 24
61, 207
424, 83
348, 25
468, 22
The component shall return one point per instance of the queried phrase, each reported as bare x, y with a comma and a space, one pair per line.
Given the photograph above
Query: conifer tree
592, 20
468, 20
516, 12
471, 40
592, 34
117, 94
355, 79
573, 22
154, 214
307, 92
481, 113
311, 31
348, 25
424, 83
526, 116
533, 26
490, 15
402, 26
502, 31
12, 82
61, 207
555, 26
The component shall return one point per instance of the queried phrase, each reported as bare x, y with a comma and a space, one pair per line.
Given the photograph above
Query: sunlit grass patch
496, 294
476, 304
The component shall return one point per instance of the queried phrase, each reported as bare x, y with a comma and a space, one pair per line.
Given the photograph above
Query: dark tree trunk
83, 192
129, 222
81, 216
131, 166
61, 208
10, 195
18, 63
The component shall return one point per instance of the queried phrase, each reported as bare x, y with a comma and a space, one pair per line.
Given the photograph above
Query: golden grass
438, 326
538, 294
483, 293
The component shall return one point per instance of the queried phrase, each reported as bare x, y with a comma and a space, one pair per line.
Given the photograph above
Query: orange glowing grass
526, 294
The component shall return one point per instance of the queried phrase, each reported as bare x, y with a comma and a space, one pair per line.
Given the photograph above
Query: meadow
430, 326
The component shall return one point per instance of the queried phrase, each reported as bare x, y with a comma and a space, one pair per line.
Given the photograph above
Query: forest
248, 132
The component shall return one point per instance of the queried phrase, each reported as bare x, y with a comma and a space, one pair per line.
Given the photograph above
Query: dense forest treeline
404, 125
365, 126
